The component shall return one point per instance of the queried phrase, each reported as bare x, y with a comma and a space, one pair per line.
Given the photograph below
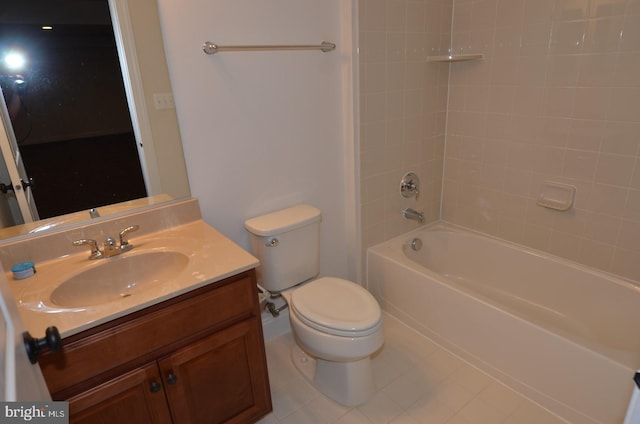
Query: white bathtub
564, 335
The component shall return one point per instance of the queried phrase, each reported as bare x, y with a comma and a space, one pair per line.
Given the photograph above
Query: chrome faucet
409, 213
110, 247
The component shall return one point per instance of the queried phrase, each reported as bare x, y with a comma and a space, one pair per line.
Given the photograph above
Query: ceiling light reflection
15, 61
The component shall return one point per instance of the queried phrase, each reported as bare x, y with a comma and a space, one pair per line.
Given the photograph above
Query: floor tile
417, 382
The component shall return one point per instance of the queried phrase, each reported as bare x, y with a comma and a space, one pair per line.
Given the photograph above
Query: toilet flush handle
272, 243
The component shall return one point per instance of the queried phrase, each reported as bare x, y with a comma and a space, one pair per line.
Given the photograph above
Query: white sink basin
118, 277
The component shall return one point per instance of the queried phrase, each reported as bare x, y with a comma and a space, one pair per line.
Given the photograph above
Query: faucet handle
124, 242
415, 189
410, 185
95, 251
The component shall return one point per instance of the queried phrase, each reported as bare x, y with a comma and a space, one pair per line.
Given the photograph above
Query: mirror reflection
66, 102
80, 132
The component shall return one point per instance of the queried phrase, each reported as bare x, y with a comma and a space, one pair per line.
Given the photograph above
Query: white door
15, 168
20, 380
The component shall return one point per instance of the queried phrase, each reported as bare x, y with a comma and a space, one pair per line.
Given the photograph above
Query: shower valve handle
410, 185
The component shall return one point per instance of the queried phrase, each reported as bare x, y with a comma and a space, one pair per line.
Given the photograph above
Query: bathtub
564, 335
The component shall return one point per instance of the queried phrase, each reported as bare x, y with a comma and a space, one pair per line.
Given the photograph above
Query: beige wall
266, 130
556, 98
402, 110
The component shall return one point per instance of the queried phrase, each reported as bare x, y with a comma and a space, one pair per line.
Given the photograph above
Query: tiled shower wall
556, 98
403, 101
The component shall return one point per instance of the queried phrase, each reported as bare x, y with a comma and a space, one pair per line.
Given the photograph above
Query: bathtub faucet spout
413, 214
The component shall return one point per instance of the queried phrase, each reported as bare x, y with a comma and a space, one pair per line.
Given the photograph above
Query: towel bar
210, 48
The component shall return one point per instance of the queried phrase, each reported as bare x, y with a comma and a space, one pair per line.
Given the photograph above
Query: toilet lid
336, 306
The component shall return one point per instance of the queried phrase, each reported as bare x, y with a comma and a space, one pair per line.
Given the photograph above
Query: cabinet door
222, 378
130, 398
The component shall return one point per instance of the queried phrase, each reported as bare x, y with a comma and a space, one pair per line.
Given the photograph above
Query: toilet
336, 323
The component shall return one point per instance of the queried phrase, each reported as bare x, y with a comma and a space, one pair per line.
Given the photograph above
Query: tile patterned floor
417, 383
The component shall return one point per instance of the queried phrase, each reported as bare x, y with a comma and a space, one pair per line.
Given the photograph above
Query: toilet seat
336, 306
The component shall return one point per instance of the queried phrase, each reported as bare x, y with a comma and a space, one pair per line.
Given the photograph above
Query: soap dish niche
556, 196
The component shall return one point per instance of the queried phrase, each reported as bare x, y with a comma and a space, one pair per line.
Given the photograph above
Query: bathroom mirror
147, 93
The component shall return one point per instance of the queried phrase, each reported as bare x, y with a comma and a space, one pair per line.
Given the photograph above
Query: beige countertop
212, 257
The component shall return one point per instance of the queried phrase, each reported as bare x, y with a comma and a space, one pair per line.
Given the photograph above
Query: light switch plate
163, 101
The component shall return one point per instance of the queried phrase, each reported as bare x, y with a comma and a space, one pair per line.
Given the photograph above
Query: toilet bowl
337, 326
336, 323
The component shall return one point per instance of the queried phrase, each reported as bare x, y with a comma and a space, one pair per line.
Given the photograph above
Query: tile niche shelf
455, 58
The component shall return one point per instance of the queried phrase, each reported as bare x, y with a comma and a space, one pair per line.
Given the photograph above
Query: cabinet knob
172, 378
155, 387
33, 346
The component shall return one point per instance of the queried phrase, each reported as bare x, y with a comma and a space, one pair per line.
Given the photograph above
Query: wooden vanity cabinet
198, 358
130, 398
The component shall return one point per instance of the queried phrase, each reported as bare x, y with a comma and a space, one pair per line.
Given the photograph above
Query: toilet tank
287, 242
